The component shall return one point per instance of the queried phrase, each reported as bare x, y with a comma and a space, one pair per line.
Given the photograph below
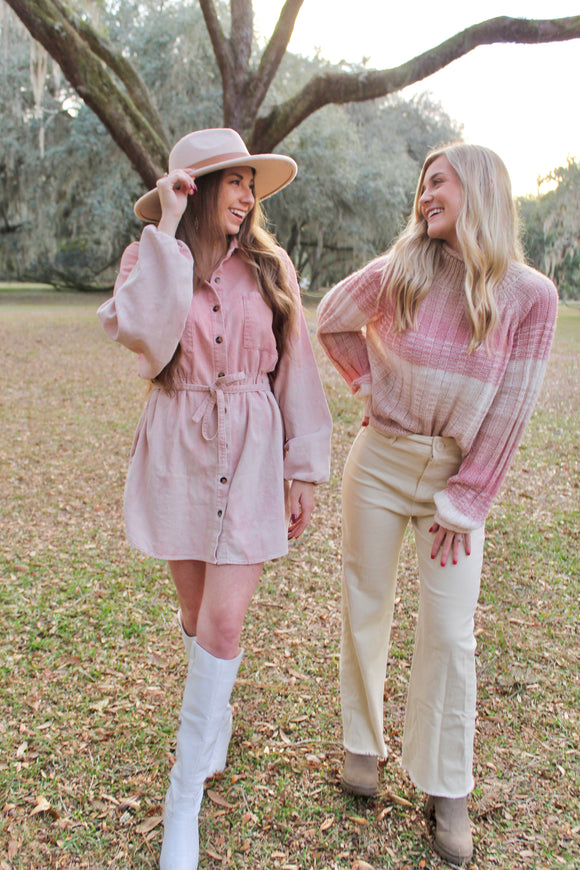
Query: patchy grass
92, 667
18, 291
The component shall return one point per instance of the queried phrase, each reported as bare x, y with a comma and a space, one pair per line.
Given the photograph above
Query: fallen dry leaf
218, 799
398, 801
149, 824
358, 820
42, 805
129, 803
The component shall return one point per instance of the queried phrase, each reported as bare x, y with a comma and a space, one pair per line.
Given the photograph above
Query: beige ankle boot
453, 839
360, 774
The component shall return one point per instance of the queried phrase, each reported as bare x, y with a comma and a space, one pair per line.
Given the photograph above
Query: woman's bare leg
189, 578
227, 592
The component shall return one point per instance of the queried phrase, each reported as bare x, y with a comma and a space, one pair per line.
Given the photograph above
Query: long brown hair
199, 228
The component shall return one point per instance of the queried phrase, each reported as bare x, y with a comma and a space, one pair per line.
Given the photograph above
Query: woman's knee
227, 594
221, 639
448, 632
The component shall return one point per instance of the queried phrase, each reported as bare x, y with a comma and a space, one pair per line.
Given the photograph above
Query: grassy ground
91, 665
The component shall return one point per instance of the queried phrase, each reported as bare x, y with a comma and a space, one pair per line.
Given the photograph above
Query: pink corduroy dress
208, 464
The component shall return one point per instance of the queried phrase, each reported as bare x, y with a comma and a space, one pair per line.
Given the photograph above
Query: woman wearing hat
446, 338
236, 420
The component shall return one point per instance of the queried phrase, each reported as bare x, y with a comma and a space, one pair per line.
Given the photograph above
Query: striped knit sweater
424, 382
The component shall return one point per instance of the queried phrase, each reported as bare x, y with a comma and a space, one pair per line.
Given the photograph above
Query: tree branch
273, 55
220, 44
110, 86
118, 64
129, 128
369, 84
241, 34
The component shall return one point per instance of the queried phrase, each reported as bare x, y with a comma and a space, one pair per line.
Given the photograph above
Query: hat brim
272, 173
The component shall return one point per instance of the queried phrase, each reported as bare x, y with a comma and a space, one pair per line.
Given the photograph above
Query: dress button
219, 339
221, 374
223, 480
220, 513
216, 308
217, 279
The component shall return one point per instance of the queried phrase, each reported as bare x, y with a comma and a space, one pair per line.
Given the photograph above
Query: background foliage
552, 229
67, 192
73, 196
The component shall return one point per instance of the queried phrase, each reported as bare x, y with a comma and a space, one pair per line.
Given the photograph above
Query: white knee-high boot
207, 691
220, 752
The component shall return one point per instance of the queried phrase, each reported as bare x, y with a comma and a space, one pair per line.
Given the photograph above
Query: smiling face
235, 198
440, 201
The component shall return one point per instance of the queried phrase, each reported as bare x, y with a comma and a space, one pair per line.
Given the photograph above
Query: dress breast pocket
258, 333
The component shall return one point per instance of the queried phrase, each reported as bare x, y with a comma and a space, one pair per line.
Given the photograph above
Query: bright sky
517, 99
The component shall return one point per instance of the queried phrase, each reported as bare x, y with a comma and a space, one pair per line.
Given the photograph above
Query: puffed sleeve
342, 316
151, 299
465, 502
300, 396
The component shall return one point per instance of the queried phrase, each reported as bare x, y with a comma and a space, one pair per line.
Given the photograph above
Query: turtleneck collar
451, 268
451, 252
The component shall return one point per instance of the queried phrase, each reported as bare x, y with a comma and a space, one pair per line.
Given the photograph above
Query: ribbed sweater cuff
448, 516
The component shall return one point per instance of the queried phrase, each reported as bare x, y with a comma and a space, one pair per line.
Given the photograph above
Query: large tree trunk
244, 90
110, 85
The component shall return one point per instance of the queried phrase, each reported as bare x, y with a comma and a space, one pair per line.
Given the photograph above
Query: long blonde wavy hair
487, 231
200, 230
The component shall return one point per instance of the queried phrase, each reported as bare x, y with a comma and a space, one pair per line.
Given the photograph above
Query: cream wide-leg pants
387, 482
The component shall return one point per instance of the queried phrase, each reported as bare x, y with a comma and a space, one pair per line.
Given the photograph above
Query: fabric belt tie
215, 398
238, 382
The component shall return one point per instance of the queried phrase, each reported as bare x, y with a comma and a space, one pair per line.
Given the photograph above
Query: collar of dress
234, 245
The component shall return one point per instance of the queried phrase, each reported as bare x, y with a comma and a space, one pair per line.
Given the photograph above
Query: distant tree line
67, 191
107, 76
551, 227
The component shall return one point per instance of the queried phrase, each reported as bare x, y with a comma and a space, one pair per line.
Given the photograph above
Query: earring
196, 225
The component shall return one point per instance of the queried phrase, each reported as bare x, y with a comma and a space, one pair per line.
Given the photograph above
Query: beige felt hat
205, 151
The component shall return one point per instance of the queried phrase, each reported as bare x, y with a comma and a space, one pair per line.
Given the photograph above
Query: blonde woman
446, 338
236, 420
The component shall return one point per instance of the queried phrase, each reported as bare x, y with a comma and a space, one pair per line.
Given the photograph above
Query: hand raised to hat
174, 188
